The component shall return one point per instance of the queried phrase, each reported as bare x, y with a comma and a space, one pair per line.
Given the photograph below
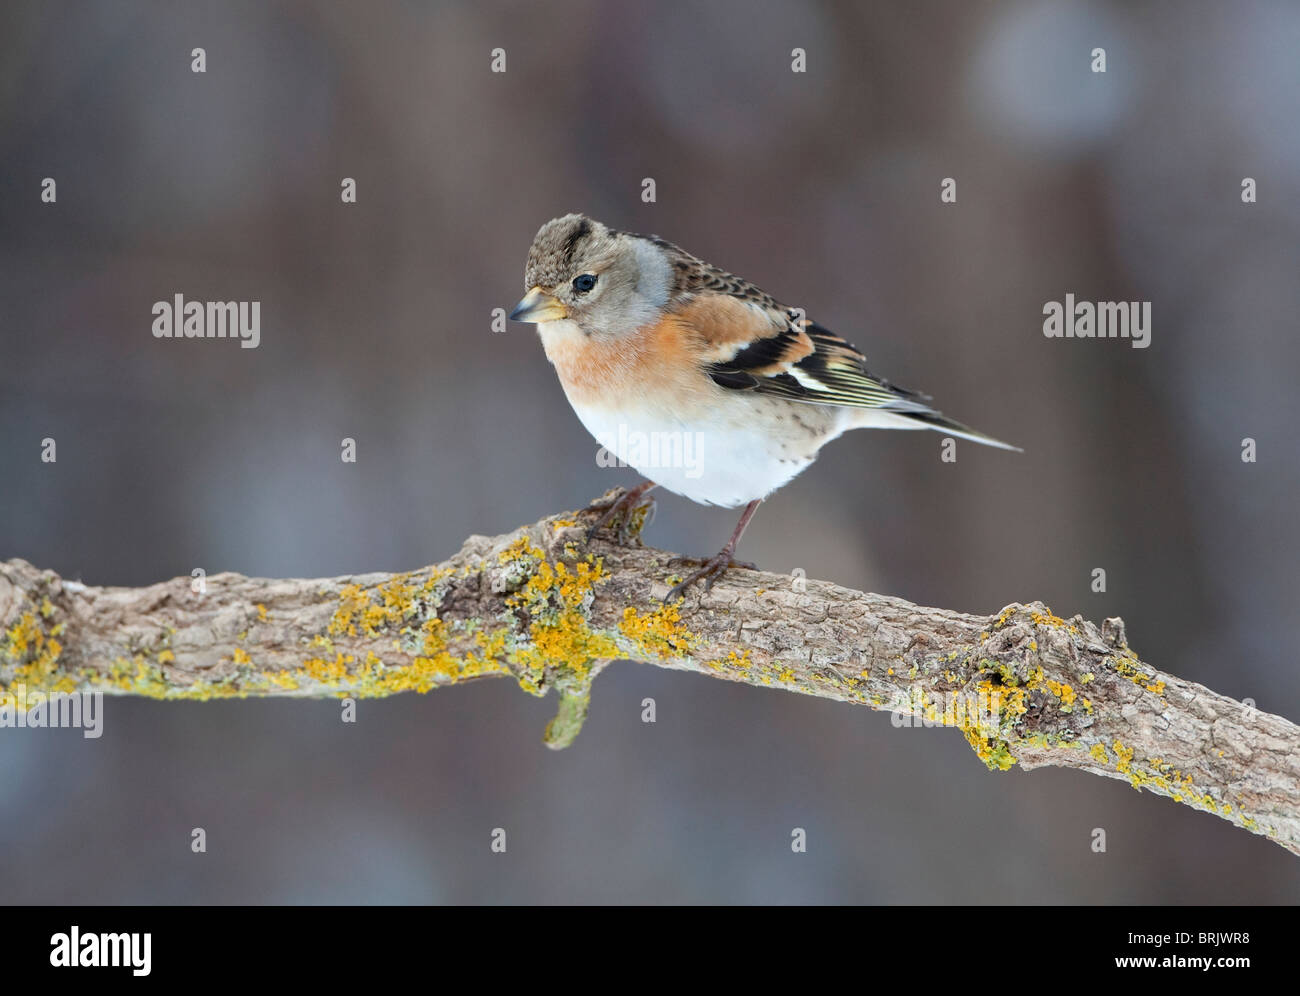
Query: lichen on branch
546, 609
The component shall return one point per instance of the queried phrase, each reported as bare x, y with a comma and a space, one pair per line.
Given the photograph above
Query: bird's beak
538, 306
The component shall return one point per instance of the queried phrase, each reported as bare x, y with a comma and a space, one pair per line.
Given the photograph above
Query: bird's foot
709, 572
633, 514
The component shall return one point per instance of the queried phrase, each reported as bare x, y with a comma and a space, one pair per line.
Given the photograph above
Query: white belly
728, 467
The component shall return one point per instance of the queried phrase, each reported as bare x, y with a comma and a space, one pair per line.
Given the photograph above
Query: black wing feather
835, 373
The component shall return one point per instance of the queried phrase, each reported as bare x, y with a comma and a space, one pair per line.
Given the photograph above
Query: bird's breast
655, 363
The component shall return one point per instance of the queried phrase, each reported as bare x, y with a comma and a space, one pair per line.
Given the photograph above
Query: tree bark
545, 608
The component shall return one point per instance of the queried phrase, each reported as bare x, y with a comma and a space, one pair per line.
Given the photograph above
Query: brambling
652, 344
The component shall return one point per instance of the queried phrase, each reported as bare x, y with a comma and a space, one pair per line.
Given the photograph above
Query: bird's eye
584, 282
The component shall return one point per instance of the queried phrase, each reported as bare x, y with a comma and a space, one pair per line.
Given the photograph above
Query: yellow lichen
23, 634
567, 642
560, 643
1049, 618
521, 549
659, 633
352, 601
35, 653
1128, 666
995, 753
1063, 692
1125, 755
740, 661
328, 672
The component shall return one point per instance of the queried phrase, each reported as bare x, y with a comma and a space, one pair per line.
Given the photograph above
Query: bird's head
606, 282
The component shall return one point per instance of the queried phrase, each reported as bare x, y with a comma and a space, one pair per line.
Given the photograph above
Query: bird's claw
709, 572
625, 505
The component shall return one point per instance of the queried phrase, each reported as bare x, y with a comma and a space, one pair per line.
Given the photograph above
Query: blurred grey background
823, 187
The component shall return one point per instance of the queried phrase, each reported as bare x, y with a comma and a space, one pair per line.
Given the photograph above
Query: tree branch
542, 607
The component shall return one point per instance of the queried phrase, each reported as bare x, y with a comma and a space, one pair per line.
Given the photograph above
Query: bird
701, 381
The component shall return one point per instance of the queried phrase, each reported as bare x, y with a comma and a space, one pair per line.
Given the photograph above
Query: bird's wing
748, 341
752, 343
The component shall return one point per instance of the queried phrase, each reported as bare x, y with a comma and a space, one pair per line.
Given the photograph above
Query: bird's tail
931, 419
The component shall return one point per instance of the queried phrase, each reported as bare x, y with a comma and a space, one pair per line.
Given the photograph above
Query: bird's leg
715, 567
624, 505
